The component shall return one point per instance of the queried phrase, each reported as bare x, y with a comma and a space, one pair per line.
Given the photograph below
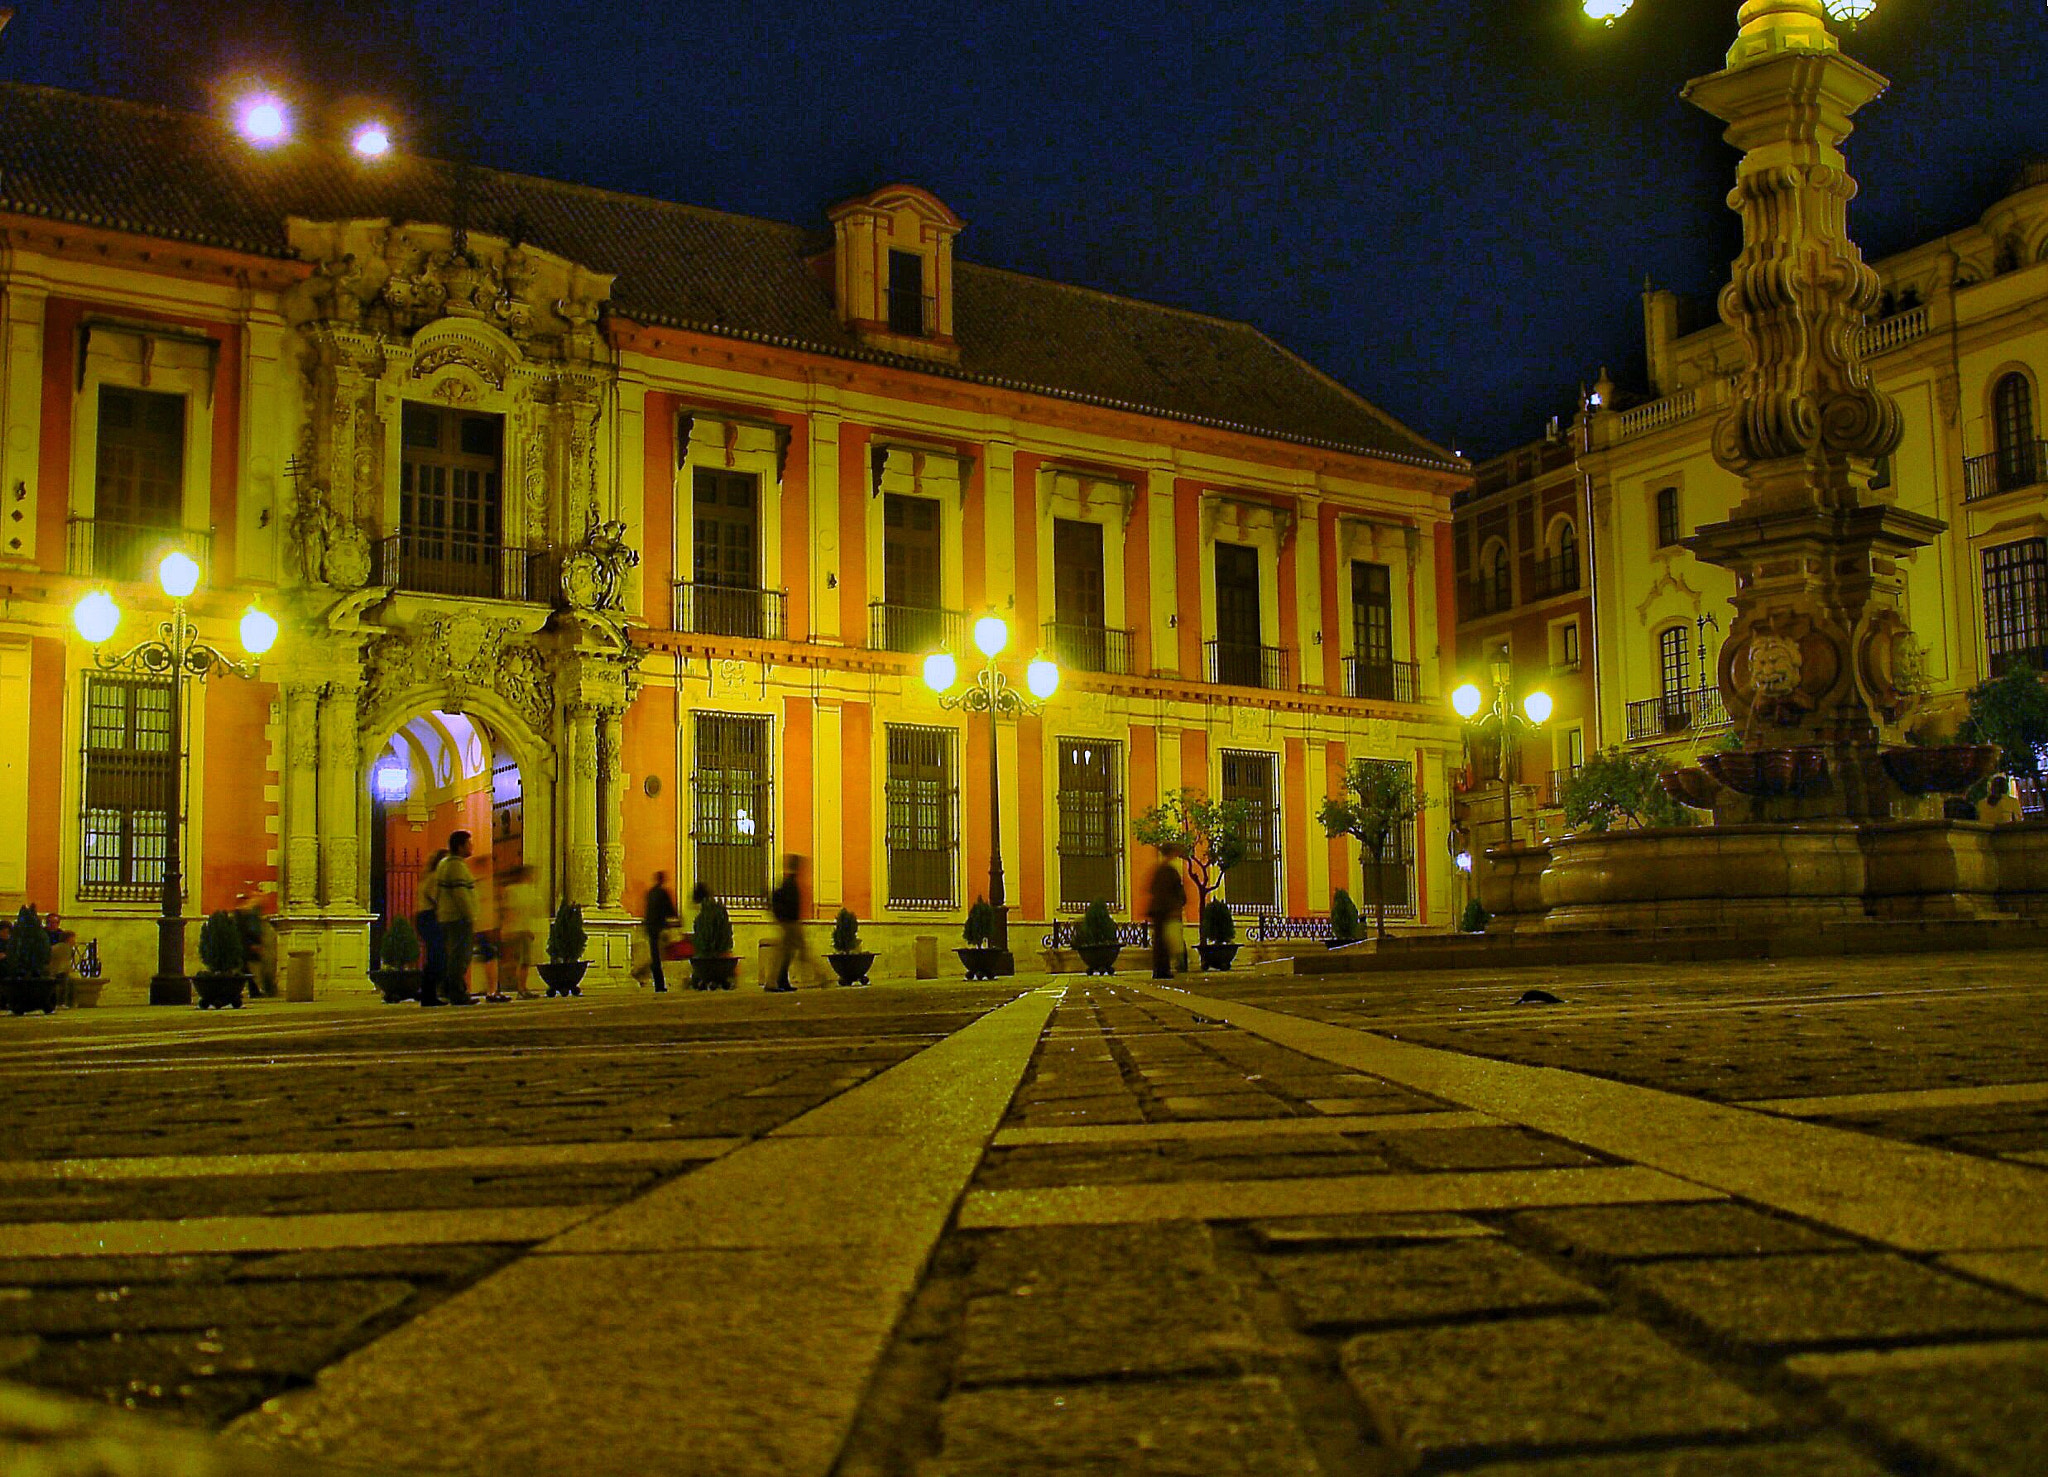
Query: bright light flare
940, 671
1607, 12
1850, 12
259, 630
178, 574
1042, 677
991, 634
263, 119
1537, 706
96, 616
391, 779
1464, 861
1466, 700
370, 140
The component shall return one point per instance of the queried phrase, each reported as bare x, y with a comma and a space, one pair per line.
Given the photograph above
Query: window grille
2016, 604
1397, 864
129, 769
1254, 883
730, 799
1091, 844
922, 802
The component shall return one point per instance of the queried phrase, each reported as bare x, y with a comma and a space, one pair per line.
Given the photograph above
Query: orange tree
1207, 837
1379, 798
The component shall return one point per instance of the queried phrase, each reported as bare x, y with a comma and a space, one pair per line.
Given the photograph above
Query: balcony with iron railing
731, 610
1244, 664
1552, 797
1665, 717
1556, 575
1384, 681
100, 548
441, 562
2008, 469
1485, 597
1085, 648
913, 628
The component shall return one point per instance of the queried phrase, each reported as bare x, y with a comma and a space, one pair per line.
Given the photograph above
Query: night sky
1449, 206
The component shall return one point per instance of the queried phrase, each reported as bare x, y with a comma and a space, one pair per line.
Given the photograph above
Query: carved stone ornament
452, 391
456, 655
1891, 665
441, 356
1774, 665
329, 547
594, 571
1779, 667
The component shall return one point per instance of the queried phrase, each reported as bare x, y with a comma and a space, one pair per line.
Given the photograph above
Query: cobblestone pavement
1179, 1246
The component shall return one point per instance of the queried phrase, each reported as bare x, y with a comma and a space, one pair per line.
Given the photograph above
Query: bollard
925, 950
298, 976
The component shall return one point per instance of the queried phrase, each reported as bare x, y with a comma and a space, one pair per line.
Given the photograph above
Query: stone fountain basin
1762, 773
1940, 769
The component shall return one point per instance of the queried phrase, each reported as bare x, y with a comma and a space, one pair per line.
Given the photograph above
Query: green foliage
401, 946
1380, 798
1343, 916
221, 949
1615, 788
1218, 927
2011, 712
566, 937
711, 935
981, 924
1096, 928
1474, 920
846, 933
28, 949
1208, 837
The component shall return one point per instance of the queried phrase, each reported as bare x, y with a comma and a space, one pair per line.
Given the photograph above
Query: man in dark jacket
786, 903
1163, 906
659, 917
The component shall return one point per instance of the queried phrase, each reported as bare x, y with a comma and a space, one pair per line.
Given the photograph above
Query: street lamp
1470, 705
992, 693
176, 653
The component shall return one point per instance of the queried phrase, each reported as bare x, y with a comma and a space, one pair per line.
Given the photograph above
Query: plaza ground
1742, 1218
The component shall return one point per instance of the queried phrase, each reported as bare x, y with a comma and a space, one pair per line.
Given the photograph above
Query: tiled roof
185, 177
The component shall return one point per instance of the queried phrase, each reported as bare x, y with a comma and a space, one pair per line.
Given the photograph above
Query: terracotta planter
34, 993
713, 971
852, 969
219, 991
1217, 957
1693, 788
1944, 769
563, 977
1099, 958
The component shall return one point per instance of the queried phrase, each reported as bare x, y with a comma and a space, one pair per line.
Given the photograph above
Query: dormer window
892, 271
907, 300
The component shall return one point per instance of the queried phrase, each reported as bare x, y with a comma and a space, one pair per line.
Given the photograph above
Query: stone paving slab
1424, 1283
1823, 1458
1975, 1409
290, 1232
1642, 1233
464, 1157
1142, 1133
2022, 1271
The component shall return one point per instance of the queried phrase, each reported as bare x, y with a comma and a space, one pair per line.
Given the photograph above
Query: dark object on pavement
1538, 997
27, 966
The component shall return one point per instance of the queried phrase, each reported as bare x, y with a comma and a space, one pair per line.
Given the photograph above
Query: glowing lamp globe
1607, 12
991, 634
940, 670
178, 574
1043, 678
259, 630
1466, 701
96, 616
1464, 861
1850, 12
370, 140
263, 119
1537, 706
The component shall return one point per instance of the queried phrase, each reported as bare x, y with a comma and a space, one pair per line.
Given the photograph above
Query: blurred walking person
1164, 904
455, 909
518, 925
426, 922
786, 904
657, 918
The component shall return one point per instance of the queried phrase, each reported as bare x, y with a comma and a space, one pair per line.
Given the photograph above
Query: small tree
1380, 797
566, 937
846, 933
221, 948
1096, 928
1343, 917
1475, 917
2011, 712
981, 924
1615, 788
401, 946
711, 935
1207, 837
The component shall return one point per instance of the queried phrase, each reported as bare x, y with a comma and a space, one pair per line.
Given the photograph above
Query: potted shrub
27, 966
978, 957
399, 953
1343, 920
1474, 920
1219, 934
712, 962
566, 965
849, 961
1095, 940
223, 960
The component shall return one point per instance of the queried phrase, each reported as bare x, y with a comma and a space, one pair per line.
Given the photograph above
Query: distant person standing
658, 918
2000, 806
1163, 906
786, 904
455, 910
426, 921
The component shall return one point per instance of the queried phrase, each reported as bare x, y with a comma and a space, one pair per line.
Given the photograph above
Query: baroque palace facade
621, 529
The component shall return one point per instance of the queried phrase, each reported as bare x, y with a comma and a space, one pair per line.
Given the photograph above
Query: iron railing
1245, 664
1687, 712
732, 610
2035, 657
442, 562
1556, 575
913, 628
1136, 935
2007, 469
102, 549
1484, 597
1553, 794
1389, 682
1087, 648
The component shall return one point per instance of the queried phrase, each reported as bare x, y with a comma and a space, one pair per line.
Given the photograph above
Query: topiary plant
846, 933
1475, 917
28, 949
221, 948
1096, 929
1218, 927
712, 934
566, 937
981, 924
1343, 916
401, 946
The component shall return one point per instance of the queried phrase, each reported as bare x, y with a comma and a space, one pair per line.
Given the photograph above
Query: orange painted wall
799, 790
1031, 818
854, 474
647, 741
1296, 809
857, 821
237, 837
657, 554
1342, 848
796, 526
46, 758
1194, 775
974, 807
1141, 793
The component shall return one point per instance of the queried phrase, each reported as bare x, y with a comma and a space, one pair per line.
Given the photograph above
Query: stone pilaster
611, 880
301, 796
341, 780
579, 806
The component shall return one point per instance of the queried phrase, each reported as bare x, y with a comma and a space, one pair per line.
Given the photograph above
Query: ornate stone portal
420, 313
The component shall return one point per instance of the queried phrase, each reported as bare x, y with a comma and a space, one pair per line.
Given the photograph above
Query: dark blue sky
1450, 206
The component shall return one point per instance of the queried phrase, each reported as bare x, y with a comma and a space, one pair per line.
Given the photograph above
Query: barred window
1397, 864
129, 769
1091, 806
2016, 604
922, 800
1254, 883
730, 798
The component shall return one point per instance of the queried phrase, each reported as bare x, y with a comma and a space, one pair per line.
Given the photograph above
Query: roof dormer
892, 270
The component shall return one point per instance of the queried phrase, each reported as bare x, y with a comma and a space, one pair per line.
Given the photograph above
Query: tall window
1668, 530
128, 770
1372, 630
907, 312
2012, 413
1091, 808
1255, 881
1239, 657
1674, 669
1564, 559
1397, 865
1079, 610
725, 554
2016, 604
921, 797
910, 618
1501, 592
730, 794
138, 480
450, 502
1568, 646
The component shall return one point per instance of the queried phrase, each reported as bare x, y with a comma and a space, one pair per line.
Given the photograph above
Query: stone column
611, 879
301, 796
579, 806
341, 783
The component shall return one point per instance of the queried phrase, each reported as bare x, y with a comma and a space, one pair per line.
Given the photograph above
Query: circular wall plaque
652, 785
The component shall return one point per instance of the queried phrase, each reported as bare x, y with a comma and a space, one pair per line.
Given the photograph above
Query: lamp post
175, 653
1468, 701
992, 693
